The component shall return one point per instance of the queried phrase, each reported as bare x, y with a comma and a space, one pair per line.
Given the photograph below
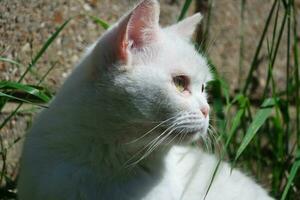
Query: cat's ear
186, 27
139, 28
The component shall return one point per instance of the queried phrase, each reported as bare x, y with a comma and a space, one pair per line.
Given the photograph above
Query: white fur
94, 140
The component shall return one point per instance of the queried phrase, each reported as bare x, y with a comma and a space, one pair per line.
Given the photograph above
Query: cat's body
120, 126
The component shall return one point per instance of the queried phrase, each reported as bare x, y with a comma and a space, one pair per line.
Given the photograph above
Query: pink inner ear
141, 27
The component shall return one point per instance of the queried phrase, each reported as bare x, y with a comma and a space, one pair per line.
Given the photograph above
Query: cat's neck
124, 162
94, 143
115, 161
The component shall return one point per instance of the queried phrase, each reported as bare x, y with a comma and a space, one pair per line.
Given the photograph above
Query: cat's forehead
180, 57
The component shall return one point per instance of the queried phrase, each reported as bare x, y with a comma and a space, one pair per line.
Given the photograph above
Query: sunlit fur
119, 129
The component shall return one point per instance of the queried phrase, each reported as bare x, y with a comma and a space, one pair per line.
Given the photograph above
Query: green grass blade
3, 59
204, 38
100, 22
7, 119
238, 116
288, 83
258, 49
184, 9
296, 72
39, 93
18, 64
274, 56
292, 175
285, 4
213, 177
235, 124
257, 122
46, 74
44, 48
218, 80
271, 48
241, 37
225, 90
20, 99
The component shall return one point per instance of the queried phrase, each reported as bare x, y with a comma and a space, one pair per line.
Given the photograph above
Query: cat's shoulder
190, 170
188, 155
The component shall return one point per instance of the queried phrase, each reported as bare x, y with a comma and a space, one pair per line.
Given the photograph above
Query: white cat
120, 127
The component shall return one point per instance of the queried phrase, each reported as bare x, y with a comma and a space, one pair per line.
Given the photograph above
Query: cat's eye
202, 88
181, 82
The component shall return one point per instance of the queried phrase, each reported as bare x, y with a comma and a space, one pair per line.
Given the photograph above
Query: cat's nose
204, 110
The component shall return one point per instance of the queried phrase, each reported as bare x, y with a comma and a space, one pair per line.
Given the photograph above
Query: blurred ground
26, 24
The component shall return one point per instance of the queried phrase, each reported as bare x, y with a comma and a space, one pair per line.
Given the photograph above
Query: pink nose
205, 110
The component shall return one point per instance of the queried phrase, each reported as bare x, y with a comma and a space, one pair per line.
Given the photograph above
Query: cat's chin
186, 137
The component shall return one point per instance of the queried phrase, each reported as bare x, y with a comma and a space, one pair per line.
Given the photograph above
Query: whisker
181, 136
217, 140
149, 145
176, 135
151, 130
153, 146
205, 143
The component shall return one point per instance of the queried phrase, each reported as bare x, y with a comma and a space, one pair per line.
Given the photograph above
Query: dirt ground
26, 24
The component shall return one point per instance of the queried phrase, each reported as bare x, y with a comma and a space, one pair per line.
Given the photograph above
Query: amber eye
202, 88
181, 82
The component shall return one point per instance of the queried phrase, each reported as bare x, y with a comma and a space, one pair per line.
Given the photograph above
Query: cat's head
154, 76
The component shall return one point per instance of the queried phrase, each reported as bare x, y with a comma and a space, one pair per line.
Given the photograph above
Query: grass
261, 136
